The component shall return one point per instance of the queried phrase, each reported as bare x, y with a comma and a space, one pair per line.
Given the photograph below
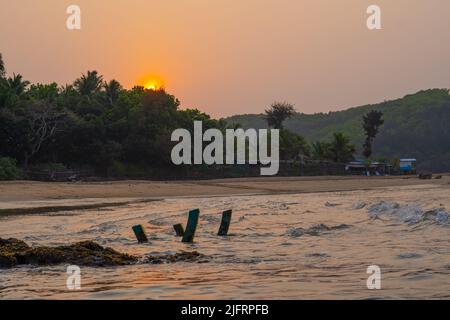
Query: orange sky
227, 57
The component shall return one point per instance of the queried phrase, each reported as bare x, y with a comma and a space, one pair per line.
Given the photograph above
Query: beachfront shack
368, 168
408, 166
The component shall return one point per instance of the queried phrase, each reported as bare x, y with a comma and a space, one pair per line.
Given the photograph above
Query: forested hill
417, 125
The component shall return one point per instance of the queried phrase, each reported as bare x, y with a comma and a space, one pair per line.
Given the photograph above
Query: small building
408, 166
368, 168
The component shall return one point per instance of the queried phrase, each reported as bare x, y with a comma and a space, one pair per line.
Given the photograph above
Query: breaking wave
409, 213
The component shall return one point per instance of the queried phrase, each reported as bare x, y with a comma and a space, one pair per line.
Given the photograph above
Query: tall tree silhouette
371, 124
2, 67
17, 85
112, 89
278, 113
12, 89
88, 83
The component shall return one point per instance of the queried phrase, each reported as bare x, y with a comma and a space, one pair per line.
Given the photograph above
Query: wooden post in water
191, 226
225, 224
179, 229
140, 233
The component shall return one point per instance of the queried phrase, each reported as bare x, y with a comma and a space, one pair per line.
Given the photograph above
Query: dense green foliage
340, 148
92, 124
100, 127
8, 169
292, 146
415, 126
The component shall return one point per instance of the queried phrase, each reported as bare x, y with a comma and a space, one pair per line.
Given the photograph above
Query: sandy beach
18, 197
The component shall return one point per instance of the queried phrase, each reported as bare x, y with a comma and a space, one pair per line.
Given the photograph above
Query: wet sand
20, 197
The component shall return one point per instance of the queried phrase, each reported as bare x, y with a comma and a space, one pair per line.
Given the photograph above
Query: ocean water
296, 246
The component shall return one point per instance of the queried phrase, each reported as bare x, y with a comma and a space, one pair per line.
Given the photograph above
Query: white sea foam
409, 213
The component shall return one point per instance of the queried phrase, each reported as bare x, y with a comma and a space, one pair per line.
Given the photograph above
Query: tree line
98, 125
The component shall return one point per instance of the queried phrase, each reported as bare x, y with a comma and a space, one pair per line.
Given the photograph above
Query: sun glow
154, 84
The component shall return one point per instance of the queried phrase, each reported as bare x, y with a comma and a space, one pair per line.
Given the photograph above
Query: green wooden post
191, 226
225, 224
140, 233
179, 229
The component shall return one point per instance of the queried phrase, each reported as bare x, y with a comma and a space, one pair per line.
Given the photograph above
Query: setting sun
154, 84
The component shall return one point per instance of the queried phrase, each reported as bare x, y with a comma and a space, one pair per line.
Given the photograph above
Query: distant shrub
8, 169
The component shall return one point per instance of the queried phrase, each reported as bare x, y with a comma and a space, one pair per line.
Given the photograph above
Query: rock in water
182, 256
8, 248
16, 252
315, 230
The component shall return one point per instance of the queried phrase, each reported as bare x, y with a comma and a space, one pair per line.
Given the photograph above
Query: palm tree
67, 90
113, 89
11, 89
89, 83
341, 149
278, 113
17, 85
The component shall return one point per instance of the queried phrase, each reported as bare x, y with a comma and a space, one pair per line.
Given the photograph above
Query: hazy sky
237, 56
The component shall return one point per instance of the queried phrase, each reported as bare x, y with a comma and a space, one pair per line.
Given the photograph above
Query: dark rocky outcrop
14, 252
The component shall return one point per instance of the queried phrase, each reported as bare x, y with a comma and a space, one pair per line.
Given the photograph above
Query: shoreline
30, 197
